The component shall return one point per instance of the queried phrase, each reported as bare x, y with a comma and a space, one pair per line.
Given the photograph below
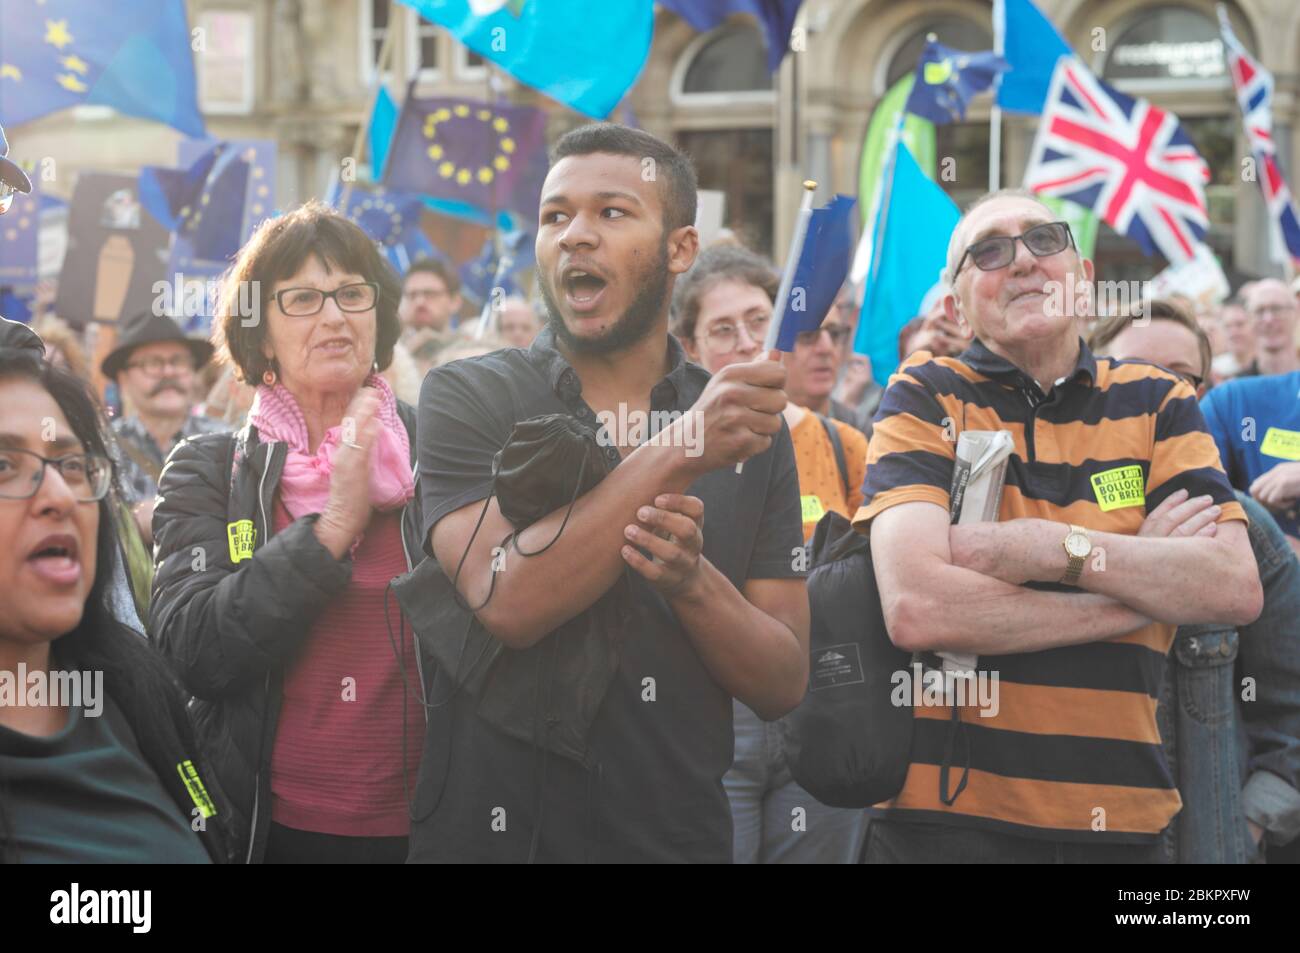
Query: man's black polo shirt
655, 792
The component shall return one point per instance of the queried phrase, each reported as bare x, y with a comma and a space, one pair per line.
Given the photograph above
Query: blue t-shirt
1256, 423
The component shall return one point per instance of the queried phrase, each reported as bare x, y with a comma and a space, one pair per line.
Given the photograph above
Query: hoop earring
268, 378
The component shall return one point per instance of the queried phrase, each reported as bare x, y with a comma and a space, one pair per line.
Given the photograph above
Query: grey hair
955, 246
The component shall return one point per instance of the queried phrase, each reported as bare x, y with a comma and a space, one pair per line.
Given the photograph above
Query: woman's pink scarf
305, 485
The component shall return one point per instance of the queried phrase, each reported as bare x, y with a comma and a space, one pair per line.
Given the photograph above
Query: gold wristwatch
1077, 546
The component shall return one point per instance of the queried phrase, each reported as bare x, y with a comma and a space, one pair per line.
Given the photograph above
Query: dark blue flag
16, 306
946, 79
492, 269
492, 157
820, 271
257, 204
18, 233
204, 203
132, 55
168, 193
776, 16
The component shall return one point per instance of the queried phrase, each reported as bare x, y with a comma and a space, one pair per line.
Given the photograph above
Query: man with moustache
154, 364
720, 611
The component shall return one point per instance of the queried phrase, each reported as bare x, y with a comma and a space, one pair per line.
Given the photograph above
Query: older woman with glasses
93, 727
720, 313
276, 545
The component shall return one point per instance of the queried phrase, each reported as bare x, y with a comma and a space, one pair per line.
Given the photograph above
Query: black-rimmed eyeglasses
88, 475
998, 251
304, 302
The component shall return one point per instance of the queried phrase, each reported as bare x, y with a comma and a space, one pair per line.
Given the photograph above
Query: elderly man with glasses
1116, 524
154, 364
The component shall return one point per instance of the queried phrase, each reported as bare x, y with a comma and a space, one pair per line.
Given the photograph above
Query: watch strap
1075, 567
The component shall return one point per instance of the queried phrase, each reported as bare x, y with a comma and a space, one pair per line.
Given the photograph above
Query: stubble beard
629, 329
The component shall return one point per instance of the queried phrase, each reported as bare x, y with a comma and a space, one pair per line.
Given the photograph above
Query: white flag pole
787, 276
995, 114
382, 64
791, 263
504, 264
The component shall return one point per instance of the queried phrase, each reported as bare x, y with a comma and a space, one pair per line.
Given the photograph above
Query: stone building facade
301, 72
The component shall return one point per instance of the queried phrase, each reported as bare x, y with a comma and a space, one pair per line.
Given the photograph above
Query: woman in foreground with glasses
277, 626
98, 762
721, 310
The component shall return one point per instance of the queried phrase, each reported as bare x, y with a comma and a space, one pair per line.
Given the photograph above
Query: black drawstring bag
548, 462
847, 744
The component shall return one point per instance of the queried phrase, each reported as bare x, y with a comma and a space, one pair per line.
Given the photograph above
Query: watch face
1077, 545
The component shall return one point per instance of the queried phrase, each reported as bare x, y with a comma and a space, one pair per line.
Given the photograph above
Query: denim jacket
1234, 744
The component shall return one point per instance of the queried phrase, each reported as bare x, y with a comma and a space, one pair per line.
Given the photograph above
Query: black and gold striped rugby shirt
1075, 728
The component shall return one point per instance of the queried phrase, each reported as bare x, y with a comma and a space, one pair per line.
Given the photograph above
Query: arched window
725, 62
725, 103
1169, 43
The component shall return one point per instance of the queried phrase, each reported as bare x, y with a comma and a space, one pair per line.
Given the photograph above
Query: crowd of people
366, 583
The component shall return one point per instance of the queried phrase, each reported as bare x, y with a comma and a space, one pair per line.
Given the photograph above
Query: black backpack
847, 744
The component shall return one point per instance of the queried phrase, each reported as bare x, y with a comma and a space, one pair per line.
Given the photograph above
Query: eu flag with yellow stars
391, 219
132, 55
492, 157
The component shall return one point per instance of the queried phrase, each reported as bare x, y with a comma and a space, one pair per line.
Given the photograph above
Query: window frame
678, 95
461, 67
246, 103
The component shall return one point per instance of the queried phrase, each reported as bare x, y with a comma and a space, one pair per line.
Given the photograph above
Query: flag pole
382, 63
886, 197
995, 114
787, 276
504, 258
791, 262
505, 262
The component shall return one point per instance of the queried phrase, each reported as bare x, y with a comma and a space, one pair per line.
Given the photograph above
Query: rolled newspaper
976, 496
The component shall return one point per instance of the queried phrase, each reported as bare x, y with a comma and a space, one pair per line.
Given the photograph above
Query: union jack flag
1254, 88
1128, 161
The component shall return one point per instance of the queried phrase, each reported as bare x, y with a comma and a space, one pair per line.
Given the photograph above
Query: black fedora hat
11, 174
147, 328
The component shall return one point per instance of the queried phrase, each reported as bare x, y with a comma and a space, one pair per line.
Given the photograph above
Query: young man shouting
719, 612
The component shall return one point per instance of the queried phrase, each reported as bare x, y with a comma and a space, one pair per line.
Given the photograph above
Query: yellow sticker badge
194, 784
1118, 488
1284, 444
241, 533
812, 508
